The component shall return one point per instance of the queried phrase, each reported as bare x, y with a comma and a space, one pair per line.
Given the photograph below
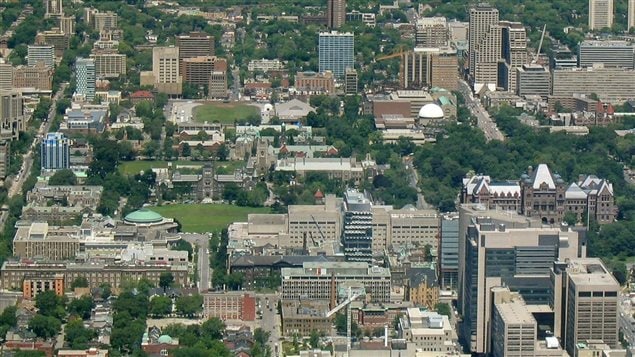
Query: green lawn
133, 167
225, 113
202, 218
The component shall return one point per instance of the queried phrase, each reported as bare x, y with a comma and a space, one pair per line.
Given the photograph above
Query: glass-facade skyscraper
336, 52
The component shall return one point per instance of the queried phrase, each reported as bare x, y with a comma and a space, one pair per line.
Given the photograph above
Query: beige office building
165, 75
614, 85
53, 8
315, 224
217, 87
505, 249
484, 44
12, 119
600, 14
585, 299
104, 21
109, 65
196, 44
39, 77
6, 76
514, 53
515, 329
429, 67
429, 332
431, 32
631, 14
67, 25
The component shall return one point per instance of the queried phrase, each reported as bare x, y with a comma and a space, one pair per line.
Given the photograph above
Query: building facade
218, 85
336, 52
631, 14
198, 70
533, 79
321, 280
53, 8
449, 251
109, 65
315, 82
195, 44
55, 152
86, 80
431, 32
514, 54
484, 44
166, 75
350, 82
104, 21
39, 77
12, 119
229, 306
41, 53
357, 227
600, 14
335, 13
607, 53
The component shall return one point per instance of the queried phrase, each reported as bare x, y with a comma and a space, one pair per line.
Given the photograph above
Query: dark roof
416, 276
277, 260
142, 94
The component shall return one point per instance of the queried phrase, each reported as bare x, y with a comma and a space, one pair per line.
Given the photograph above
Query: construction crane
319, 230
542, 38
347, 303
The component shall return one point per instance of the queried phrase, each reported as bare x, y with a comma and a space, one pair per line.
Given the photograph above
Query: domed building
145, 219
430, 111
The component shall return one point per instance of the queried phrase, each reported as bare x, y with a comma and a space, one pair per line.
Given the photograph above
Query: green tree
27, 353
49, 304
166, 279
77, 336
223, 152
314, 340
443, 309
213, 328
79, 282
186, 150
45, 326
570, 218
160, 306
81, 307
62, 178
189, 305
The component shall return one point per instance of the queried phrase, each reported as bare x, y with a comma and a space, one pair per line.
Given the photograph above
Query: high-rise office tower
631, 13
585, 302
336, 52
85, 75
104, 21
449, 250
53, 8
55, 152
350, 81
67, 25
357, 232
335, 13
484, 44
426, 67
514, 53
600, 14
41, 53
195, 44
165, 70
499, 248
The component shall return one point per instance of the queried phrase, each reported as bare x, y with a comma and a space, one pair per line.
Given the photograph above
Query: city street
271, 321
626, 320
200, 242
484, 121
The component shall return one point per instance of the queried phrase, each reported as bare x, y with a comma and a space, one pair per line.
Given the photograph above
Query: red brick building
230, 306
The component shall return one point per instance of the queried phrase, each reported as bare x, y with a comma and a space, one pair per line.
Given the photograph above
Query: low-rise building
229, 306
315, 83
91, 352
429, 331
344, 169
303, 317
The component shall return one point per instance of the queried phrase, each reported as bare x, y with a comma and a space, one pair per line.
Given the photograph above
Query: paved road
484, 121
201, 242
626, 320
271, 321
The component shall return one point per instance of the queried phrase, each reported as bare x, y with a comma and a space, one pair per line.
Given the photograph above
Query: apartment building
55, 152
431, 32
109, 65
335, 13
350, 82
321, 280
357, 227
86, 79
514, 53
265, 65
198, 70
195, 44
217, 85
429, 67
484, 44
336, 52
600, 14
55, 38
104, 21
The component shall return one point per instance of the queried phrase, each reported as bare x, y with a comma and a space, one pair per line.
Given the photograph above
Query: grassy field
225, 113
200, 218
133, 167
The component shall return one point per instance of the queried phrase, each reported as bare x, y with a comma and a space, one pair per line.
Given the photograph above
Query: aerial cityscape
317, 178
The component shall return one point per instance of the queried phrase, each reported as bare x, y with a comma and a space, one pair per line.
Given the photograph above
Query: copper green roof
143, 216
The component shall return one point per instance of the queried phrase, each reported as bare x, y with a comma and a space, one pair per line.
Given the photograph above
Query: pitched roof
541, 175
575, 192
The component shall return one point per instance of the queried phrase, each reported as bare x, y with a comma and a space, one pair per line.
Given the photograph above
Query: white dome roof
431, 111
268, 107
